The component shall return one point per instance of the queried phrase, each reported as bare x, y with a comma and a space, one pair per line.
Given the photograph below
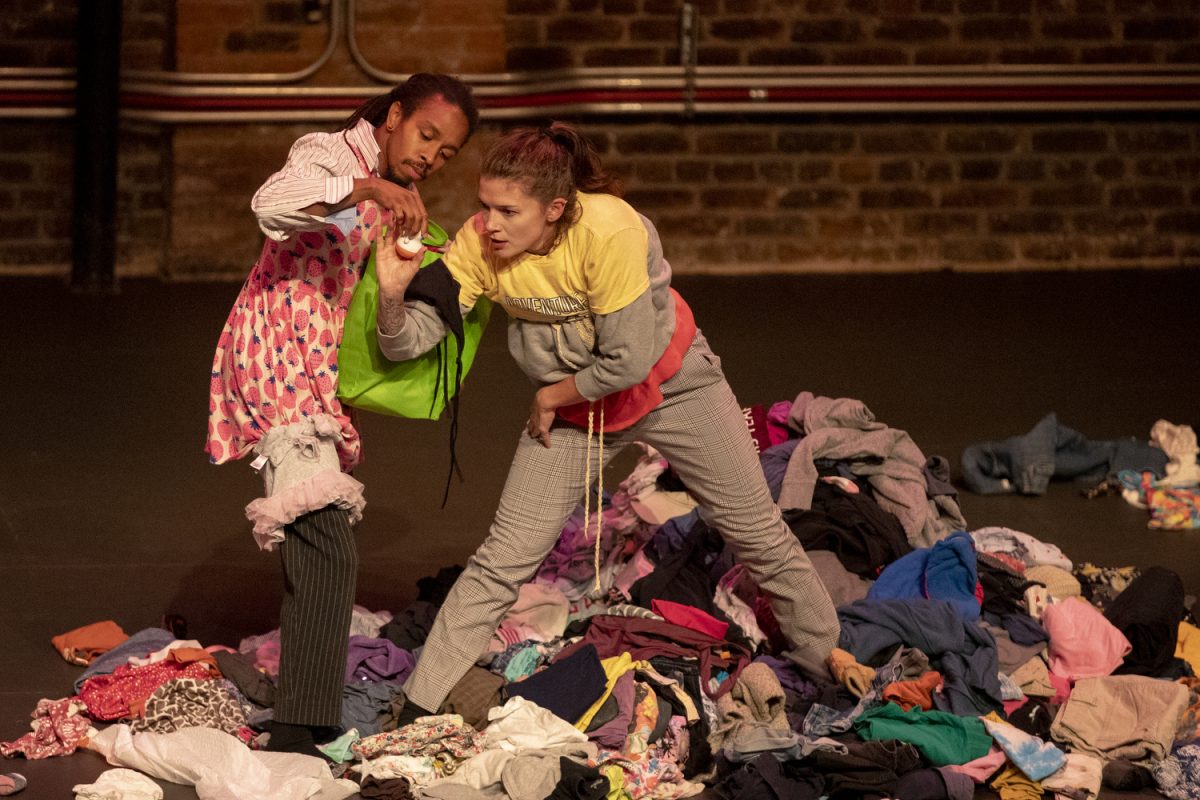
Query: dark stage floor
109, 509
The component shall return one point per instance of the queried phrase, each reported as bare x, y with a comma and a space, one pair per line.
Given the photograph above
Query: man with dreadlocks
273, 387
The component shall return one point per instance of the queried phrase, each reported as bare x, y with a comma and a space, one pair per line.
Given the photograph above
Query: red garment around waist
622, 409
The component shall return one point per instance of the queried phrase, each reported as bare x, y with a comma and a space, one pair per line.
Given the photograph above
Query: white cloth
521, 724
1179, 443
419, 770
119, 784
1082, 772
220, 766
161, 655
364, 622
1028, 548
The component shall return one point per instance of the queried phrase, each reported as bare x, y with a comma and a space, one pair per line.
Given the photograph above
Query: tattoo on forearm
391, 315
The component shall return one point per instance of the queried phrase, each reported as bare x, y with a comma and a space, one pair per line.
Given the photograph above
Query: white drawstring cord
587, 488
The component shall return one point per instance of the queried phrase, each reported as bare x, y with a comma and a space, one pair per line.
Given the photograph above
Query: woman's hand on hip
541, 417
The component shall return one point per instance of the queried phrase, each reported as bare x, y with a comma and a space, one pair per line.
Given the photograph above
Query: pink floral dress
276, 359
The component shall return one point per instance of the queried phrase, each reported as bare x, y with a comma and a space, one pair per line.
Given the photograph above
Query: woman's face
515, 222
421, 143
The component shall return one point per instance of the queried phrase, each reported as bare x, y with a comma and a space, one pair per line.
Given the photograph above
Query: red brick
815, 141
981, 196
995, 29
912, 30
786, 56
1026, 222
584, 29
826, 30
818, 197
734, 197
1070, 140
900, 197
1085, 194
1155, 195
940, 224
867, 56
969, 251
1185, 222
623, 57
1162, 28
1143, 248
1077, 28
745, 29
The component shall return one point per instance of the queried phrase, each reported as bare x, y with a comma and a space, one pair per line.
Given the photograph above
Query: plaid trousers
699, 428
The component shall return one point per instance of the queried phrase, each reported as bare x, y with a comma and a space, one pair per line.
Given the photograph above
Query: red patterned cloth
58, 726
123, 694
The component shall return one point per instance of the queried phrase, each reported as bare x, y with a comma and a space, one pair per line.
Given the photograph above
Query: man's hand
409, 216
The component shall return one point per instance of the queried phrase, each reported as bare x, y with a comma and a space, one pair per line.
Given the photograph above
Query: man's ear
556, 208
394, 117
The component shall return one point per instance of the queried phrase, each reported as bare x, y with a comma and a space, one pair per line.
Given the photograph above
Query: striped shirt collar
362, 136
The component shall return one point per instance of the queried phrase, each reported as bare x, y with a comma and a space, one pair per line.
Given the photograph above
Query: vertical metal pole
94, 206
689, 28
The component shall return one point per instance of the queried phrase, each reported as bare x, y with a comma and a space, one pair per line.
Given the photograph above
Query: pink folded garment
1083, 643
689, 617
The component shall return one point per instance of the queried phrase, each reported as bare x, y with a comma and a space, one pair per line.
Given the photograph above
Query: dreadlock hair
551, 161
412, 93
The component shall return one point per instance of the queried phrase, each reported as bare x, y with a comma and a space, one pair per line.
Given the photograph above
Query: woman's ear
556, 208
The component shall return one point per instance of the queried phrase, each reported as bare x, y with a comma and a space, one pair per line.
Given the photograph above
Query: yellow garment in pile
1188, 646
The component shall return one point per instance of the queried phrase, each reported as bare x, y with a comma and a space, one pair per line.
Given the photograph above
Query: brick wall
36, 157
587, 33
802, 192
917, 192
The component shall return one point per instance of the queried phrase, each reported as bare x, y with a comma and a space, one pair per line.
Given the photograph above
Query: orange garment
912, 694
194, 655
82, 645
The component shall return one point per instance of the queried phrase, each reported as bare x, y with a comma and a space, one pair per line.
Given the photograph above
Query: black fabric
1148, 613
410, 628
922, 784
409, 712
433, 589
386, 788
579, 782
1003, 588
687, 675
566, 688
765, 778
863, 536
684, 576
1124, 774
246, 676
434, 285
1034, 717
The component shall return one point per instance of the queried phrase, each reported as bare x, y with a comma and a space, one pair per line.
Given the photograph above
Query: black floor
109, 509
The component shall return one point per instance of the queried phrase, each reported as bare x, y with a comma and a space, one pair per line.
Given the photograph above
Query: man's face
419, 144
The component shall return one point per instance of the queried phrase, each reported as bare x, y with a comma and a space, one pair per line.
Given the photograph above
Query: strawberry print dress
276, 361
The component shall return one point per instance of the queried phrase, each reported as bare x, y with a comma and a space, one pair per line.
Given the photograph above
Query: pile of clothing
966, 657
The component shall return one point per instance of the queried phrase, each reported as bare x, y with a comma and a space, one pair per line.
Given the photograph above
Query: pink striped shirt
320, 168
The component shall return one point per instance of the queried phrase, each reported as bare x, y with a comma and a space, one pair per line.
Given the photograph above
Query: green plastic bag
417, 388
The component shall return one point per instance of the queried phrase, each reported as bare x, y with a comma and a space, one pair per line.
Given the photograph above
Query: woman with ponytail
616, 357
273, 388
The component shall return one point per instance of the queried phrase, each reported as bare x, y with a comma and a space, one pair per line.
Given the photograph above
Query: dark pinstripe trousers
320, 569
699, 428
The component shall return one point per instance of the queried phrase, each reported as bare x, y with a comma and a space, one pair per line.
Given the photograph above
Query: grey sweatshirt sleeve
625, 352
423, 329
